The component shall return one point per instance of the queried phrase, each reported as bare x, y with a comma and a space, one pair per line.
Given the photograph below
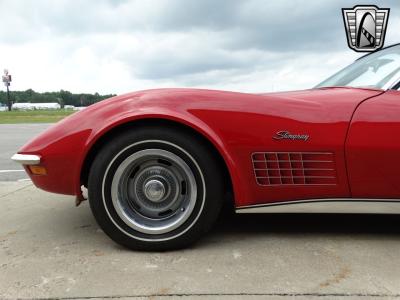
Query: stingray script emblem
286, 135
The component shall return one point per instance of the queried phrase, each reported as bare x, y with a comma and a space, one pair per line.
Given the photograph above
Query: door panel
373, 148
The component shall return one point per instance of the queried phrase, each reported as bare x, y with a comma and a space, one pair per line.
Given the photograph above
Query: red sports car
158, 164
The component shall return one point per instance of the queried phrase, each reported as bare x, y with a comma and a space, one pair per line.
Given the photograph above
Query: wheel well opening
157, 122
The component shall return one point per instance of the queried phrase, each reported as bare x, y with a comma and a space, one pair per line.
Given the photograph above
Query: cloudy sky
117, 46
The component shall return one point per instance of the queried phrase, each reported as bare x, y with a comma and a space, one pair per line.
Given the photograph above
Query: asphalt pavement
50, 249
12, 137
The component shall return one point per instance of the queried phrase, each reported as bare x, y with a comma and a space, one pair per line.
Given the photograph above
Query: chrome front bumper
26, 159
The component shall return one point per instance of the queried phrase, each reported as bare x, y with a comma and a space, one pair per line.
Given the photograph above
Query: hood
316, 105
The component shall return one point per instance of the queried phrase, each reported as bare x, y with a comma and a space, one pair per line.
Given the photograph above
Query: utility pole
7, 81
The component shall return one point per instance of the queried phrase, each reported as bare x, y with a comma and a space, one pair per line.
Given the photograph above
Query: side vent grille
294, 168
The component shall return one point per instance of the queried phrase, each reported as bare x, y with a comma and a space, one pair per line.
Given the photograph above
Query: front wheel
155, 188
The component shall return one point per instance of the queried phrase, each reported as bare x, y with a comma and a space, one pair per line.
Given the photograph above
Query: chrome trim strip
395, 86
333, 205
294, 152
26, 159
392, 85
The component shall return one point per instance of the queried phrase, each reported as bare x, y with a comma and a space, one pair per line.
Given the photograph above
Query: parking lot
51, 249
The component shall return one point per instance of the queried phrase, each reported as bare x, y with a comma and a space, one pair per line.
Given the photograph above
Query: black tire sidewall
192, 151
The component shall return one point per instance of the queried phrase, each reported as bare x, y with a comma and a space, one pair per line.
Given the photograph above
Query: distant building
35, 106
79, 107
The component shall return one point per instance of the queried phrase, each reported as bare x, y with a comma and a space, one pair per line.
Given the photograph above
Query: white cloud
119, 46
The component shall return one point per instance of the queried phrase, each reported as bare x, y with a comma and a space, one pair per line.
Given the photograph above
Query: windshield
378, 70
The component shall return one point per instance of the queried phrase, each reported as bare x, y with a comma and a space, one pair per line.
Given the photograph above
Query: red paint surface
373, 148
237, 124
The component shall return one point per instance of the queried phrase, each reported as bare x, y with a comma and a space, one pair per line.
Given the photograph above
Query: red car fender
189, 121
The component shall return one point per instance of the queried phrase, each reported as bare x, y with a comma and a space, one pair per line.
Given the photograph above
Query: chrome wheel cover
153, 191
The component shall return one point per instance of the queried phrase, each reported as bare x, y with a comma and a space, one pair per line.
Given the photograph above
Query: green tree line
62, 97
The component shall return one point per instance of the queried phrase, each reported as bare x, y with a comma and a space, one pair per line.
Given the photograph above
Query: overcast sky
117, 46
